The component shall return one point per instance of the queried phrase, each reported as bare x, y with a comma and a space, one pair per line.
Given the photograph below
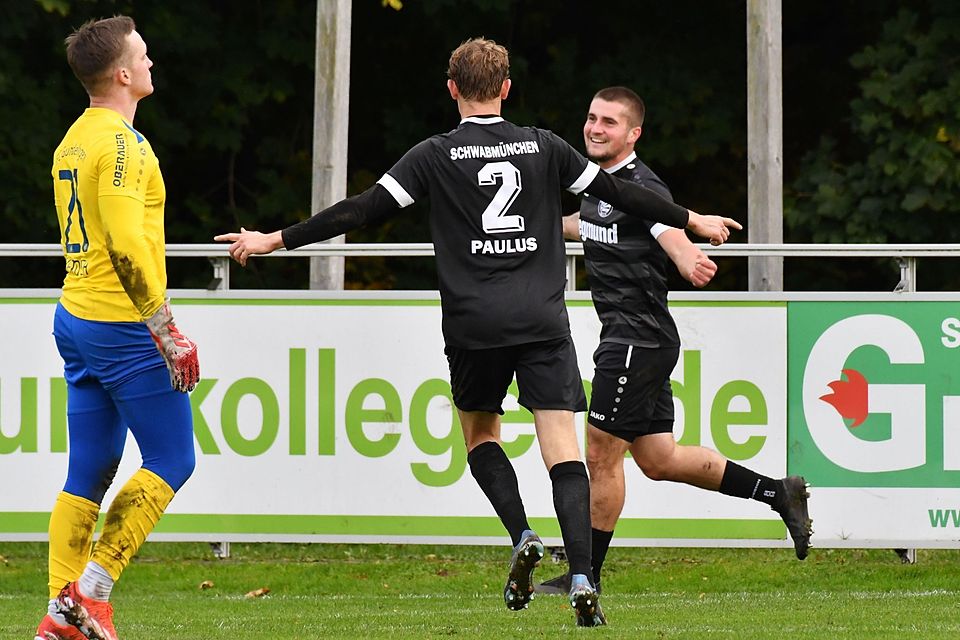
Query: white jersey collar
482, 119
620, 165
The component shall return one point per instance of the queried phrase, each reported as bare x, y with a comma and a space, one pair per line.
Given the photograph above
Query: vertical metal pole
221, 274
765, 140
330, 122
908, 275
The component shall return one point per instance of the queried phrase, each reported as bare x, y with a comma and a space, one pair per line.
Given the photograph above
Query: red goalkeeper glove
179, 352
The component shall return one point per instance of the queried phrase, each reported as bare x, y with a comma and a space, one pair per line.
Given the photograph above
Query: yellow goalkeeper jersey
109, 196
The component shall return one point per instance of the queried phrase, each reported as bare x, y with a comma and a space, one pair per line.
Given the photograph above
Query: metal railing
906, 255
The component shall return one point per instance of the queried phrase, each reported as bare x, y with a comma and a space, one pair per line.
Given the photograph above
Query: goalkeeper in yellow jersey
126, 365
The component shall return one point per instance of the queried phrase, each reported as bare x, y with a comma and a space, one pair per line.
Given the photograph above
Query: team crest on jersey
604, 209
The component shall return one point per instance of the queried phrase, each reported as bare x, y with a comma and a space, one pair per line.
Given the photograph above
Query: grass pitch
410, 591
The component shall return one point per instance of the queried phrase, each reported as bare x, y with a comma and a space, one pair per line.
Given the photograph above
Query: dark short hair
627, 98
479, 67
94, 49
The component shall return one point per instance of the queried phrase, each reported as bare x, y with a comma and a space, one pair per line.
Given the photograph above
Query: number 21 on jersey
74, 205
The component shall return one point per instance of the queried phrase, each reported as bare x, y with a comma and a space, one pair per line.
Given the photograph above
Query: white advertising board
329, 419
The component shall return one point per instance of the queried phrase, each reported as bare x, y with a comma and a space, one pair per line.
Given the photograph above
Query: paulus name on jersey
512, 245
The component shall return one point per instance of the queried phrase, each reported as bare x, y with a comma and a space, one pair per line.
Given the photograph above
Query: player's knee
106, 479
600, 461
91, 481
176, 472
187, 466
655, 469
593, 461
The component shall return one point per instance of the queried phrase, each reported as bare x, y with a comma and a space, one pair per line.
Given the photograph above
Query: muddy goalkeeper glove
178, 351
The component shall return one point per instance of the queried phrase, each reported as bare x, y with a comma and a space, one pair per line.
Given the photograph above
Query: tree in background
233, 119
897, 176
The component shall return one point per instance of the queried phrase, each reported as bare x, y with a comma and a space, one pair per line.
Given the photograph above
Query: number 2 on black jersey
74, 205
494, 216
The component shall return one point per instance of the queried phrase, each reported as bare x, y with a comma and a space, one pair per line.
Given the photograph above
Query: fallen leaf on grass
206, 584
257, 593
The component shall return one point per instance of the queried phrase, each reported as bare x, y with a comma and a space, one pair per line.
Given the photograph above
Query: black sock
743, 483
571, 499
601, 542
493, 472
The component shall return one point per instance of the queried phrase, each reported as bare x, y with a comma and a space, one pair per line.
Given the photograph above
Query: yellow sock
131, 517
72, 522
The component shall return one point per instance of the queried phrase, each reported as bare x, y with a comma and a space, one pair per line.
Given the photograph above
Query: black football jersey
626, 266
495, 212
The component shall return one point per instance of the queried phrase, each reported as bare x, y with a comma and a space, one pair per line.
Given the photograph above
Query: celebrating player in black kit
495, 219
631, 405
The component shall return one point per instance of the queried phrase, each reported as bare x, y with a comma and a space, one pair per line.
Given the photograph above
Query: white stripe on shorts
626, 365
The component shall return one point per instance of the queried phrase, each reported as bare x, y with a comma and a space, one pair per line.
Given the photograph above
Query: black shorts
547, 376
631, 390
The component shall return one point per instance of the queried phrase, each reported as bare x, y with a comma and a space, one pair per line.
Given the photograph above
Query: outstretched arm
692, 263
373, 204
633, 199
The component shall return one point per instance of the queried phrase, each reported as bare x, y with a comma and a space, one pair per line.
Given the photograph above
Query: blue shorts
117, 380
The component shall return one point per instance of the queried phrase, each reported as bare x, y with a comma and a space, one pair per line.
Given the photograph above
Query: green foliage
232, 116
899, 179
60, 6
30, 99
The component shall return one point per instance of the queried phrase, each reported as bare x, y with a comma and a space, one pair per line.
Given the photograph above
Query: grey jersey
626, 267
